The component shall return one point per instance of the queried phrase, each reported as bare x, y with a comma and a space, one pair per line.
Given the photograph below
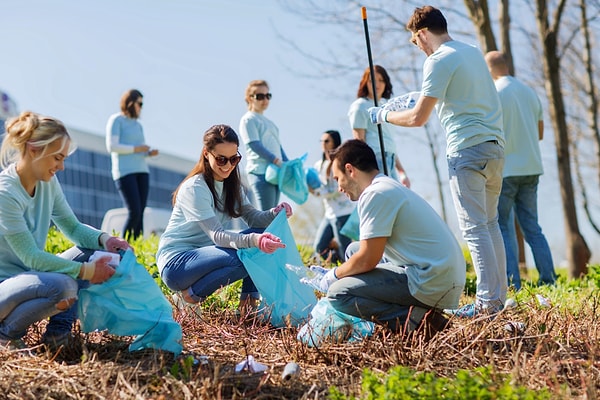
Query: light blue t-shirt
122, 135
29, 218
521, 113
468, 105
417, 238
194, 203
256, 127
359, 119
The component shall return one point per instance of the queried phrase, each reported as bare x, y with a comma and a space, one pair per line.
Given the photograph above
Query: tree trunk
578, 253
480, 15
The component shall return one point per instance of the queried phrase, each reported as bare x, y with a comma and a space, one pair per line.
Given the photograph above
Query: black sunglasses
222, 160
262, 96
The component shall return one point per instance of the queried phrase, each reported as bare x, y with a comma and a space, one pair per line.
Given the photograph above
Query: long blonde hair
31, 129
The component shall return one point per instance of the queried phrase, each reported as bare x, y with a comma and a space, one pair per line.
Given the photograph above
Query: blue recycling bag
292, 179
131, 303
285, 298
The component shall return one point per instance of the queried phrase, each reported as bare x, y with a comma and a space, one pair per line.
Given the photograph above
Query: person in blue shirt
457, 83
128, 152
263, 145
35, 284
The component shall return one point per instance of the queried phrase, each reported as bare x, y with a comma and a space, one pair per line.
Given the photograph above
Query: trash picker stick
363, 12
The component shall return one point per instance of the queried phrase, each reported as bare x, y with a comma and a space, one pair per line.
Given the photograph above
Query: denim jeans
266, 195
330, 229
475, 182
207, 269
519, 193
381, 295
134, 190
30, 297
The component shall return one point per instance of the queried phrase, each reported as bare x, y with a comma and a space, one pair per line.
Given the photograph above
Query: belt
492, 141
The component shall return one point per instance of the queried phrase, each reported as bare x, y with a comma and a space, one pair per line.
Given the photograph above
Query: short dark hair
356, 153
428, 17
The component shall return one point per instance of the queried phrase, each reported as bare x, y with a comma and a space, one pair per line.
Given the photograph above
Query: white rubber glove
327, 280
378, 115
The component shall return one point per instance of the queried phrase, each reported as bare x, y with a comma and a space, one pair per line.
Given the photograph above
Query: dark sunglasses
262, 96
222, 160
139, 103
326, 141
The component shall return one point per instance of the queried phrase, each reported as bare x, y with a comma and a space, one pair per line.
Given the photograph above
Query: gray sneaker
191, 309
12, 344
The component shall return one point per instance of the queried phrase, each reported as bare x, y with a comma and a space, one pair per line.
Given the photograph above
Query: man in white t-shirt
407, 261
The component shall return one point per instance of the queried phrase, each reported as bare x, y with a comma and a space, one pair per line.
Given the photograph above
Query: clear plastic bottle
308, 275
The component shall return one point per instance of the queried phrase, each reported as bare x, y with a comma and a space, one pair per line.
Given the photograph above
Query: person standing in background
457, 83
365, 130
263, 146
523, 129
337, 206
128, 151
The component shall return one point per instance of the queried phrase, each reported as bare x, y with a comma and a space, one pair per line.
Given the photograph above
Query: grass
555, 355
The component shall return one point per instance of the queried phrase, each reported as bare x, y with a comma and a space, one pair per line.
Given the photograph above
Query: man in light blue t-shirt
457, 83
523, 128
408, 265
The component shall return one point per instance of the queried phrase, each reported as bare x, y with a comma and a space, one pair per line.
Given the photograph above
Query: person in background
35, 284
337, 206
523, 120
407, 264
263, 146
197, 253
128, 151
457, 83
365, 130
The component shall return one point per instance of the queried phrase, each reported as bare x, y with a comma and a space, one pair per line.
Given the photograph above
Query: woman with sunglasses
363, 129
35, 284
263, 147
128, 151
197, 253
337, 205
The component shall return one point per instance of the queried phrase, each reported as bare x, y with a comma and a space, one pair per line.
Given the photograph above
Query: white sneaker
191, 309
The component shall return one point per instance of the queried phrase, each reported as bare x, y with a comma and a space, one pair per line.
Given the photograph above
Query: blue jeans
30, 297
330, 229
134, 190
207, 269
475, 182
380, 295
266, 195
520, 193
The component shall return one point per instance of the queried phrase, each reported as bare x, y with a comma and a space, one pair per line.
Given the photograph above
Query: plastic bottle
290, 371
308, 275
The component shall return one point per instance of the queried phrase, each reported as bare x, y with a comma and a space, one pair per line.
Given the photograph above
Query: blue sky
192, 60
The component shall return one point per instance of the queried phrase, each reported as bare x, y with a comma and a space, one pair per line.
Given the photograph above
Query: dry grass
558, 350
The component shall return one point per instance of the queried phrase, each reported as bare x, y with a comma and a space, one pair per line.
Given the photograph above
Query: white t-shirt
417, 238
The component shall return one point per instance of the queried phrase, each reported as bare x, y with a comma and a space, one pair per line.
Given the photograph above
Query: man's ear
349, 168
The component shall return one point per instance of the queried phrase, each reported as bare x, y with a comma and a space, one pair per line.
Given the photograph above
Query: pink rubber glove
114, 244
268, 243
286, 206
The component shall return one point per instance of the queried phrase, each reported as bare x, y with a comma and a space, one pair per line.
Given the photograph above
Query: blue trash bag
131, 303
351, 228
327, 325
284, 297
292, 180
312, 178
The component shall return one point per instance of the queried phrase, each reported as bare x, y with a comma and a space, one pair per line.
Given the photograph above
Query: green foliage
182, 369
403, 383
57, 242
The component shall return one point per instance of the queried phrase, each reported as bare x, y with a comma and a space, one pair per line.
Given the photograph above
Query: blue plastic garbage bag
327, 325
128, 304
285, 298
351, 228
312, 178
292, 180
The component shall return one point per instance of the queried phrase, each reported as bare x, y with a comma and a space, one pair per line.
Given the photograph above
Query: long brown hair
365, 82
232, 186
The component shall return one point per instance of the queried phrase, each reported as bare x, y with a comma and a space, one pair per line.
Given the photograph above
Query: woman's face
379, 86
223, 153
327, 143
138, 106
53, 160
260, 104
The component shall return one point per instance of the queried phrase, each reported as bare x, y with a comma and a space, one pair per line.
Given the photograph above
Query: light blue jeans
519, 193
266, 195
32, 296
475, 182
380, 295
207, 269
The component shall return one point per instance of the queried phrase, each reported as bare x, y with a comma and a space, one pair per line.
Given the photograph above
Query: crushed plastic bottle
310, 276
